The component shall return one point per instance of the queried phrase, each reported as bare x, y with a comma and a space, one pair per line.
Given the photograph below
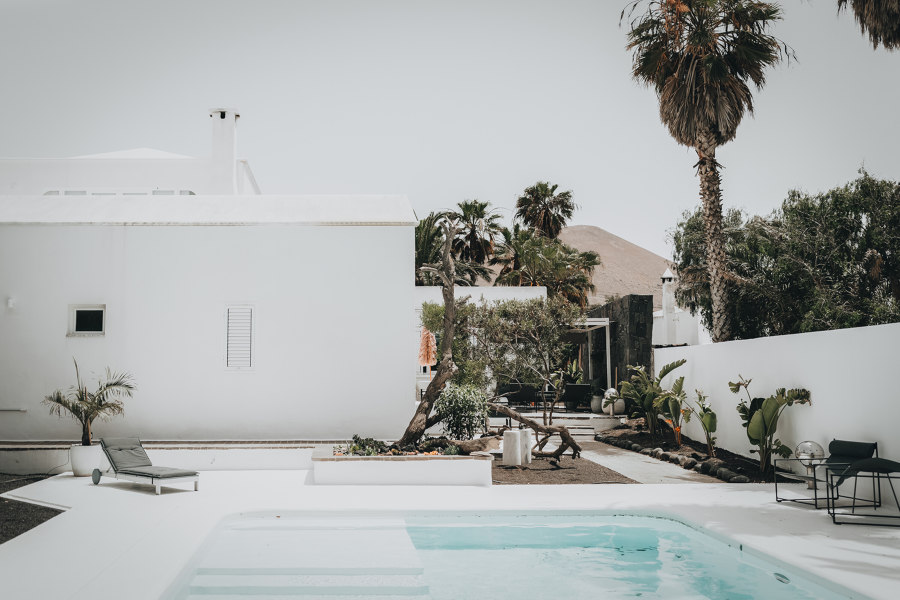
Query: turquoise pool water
497, 557
594, 557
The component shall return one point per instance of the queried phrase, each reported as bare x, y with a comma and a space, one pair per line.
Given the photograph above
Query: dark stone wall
631, 330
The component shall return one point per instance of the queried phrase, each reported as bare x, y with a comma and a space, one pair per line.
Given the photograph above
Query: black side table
816, 469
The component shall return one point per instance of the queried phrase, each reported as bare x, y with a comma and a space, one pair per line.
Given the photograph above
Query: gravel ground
18, 517
542, 472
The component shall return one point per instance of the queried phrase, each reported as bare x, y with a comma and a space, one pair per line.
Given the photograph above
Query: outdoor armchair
129, 461
878, 470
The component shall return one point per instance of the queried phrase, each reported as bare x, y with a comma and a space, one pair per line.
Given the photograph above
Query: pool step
334, 583
270, 557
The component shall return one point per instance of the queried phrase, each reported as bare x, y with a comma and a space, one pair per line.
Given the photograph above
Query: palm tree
570, 274
881, 18
699, 56
85, 406
429, 244
545, 211
508, 253
564, 271
478, 229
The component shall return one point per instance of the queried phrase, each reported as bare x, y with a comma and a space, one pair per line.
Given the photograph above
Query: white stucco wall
849, 372
682, 328
330, 361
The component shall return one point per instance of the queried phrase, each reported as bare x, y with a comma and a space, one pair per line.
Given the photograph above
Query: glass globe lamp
809, 453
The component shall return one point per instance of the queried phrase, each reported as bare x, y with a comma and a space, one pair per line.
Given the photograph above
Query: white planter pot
85, 459
597, 404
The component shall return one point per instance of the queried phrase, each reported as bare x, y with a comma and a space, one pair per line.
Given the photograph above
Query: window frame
73, 320
253, 321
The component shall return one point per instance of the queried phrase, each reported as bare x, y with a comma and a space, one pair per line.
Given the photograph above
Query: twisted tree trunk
711, 195
423, 419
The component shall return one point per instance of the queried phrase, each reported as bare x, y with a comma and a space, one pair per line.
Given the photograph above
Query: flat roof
120, 209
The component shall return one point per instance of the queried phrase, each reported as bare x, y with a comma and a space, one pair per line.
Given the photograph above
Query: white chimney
224, 150
668, 307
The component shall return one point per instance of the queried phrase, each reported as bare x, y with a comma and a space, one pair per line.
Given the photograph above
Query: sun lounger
878, 470
128, 461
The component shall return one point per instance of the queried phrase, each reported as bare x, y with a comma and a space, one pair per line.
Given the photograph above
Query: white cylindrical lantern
526, 441
512, 452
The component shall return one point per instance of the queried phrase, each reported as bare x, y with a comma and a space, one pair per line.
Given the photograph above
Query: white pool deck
119, 540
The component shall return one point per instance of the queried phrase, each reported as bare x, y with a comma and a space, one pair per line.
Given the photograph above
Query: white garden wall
332, 316
851, 374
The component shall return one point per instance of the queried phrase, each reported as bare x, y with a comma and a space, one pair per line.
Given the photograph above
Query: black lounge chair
876, 469
129, 461
841, 453
518, 395
576, 394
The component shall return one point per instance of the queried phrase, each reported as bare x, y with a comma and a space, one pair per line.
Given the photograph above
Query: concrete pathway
641, 468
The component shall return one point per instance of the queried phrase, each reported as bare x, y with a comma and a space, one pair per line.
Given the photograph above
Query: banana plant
707, 418
641, 392
761, 417
671, 406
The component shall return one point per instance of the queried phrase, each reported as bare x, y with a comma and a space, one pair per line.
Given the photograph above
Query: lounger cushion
870, 465
846, 452
125, 453
158, 472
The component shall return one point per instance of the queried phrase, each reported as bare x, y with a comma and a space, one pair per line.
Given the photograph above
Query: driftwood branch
566, 439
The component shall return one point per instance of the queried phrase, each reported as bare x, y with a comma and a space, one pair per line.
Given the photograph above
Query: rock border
695, 461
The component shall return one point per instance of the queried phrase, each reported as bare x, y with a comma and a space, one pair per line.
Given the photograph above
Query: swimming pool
498, 556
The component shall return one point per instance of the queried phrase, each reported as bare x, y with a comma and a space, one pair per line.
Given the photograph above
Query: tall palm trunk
86, 434
711, 195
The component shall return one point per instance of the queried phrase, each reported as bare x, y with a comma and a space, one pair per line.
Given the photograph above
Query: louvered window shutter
239, 337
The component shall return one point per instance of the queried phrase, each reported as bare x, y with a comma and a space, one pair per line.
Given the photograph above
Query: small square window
87, 319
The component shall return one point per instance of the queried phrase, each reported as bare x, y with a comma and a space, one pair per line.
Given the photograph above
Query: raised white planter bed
400, 470
44, 457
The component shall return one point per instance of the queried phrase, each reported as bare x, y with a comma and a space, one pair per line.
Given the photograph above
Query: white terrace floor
120, 540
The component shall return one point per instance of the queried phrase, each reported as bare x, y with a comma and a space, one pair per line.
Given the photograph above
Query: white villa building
241, 316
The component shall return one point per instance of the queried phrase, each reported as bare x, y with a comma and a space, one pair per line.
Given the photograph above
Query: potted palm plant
85, 406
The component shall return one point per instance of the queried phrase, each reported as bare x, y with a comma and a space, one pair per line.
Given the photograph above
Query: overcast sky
441, 101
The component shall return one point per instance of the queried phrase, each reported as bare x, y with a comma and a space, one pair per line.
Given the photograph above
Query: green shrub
366, 446
463, 411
